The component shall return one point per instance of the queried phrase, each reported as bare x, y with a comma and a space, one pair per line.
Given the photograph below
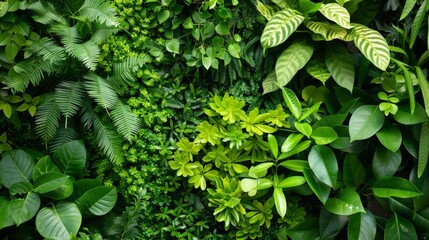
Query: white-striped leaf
280, 27
372, 45
270, 83
317, 68
293, 59
327, 30
337, 14
266, 10
340, 64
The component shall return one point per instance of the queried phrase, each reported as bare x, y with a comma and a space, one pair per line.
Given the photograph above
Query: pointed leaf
304, 128
272, 143
337, 14
291, 141
399, 228
290, 182
365, 122
326, 30
280, 26
347, 203
409, 5
361, 226
385, 162
71, 157
321, 190
324, 164
306, 229
270, 83
331, 224
293, 59
6, 219
126, 122
353, 171
24, 209
280, 201
317, 68
423, 149
324, 135
97, 201
59, 221
340, 64
372, 45
390, 136
16, 167
404, 116
292, 101
45, 165
295, 165
260, 170
424, 87
266, 10
69, 97
417, 23
100, 90
395, 187
54, 185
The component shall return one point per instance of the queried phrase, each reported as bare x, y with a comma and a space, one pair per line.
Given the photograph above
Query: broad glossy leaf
361, 226
97, 201
340, 64
6, 219
292, 102
306, 229
324, 164
291, 141
274, 147
20, 188
297, 149
404, 209
330, 224
423, 149
320, 189
295, 165
317, 68
399, 228
260, 170
280, 201
385, 162
337, 14
280, 26
304, 128
59, 221
45, 165
71, 157
365, 122
395, 187
346, 203
294, 58
353, 171
390, 136
404, 116
83, 185
372, 45
54, 185
24, 209
324, 135
290, 182
16, 167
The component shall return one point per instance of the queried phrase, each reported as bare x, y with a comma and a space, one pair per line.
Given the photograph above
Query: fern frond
102, 31
63, 135
87, 52
100, 90
69, 97
48, 50
99, 10
125, 121
47, 119
45, 13
108, 140
69, 36
123, 73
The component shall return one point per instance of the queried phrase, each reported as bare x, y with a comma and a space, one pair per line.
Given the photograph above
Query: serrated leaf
294, 58
280, 26
372, 45
324, 164
365, 122
340, 64
337, 14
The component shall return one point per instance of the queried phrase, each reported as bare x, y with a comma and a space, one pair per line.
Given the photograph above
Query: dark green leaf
24, 209
54, 185
423, 149
324, 164
97, 201
399, 228
385, 162
365, 122
395, 187
71, 157
60, 221
6, 219
16, 167
346, 203
321, 190
307, 229
361, 226
353, 171
330, 224
390, 136
404, 116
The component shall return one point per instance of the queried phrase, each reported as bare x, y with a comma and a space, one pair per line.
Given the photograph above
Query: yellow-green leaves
228, 107
337, 14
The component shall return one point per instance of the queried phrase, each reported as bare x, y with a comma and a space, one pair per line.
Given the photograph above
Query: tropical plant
47, 190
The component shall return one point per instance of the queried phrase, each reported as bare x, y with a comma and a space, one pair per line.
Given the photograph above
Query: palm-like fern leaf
100, 90
47, 119
69, 35
123, 73
47, 49
109, 141
87, 52
46, 13
63, 135
69, 97
125, 121
102, 31
99, 10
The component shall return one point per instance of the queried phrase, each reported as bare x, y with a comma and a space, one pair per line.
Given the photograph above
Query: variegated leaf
285, 3
267, 10
293, 59
340, 65
280, 27
270, 83
337, 14
327, 30
372, 45
317, 68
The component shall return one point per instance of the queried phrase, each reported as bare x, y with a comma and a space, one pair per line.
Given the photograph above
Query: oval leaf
272, 143
395, 187
97, 201
303, 128
290, 182
365, 121
361, 226
353, 171
295, 165
54, 185
399, 228
6, 219
259, 170
324, 135
340, 64
291, 141
280, 201
347, 203
337, 14
71, 157
321, 190
404, 116
385, 162
390, 136
292, 101
17, 166
24, 209
324, 164
59, 221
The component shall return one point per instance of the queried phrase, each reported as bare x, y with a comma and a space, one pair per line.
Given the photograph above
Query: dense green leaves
346, 203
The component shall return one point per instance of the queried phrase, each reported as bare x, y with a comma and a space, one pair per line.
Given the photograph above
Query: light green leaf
24, 209
295, 165
324, 135
317, 68
399, 228
361, 226
385, 162
390, 136
340, 64
347, 203
324, 164
327, 30
365, 122
409, 5
60, 221
294, 58
234, 50
304, 128
290, 182
280, 26
260, 170
222, 29
292, 102
173, 46
11, 50
337, 14
71, 157
372, 45
163, 15
320, 189
291, 141
97, 201
423, 149
270, 83
395, 187
17, 166
266, 10
353, 171
274, 147
280, 201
